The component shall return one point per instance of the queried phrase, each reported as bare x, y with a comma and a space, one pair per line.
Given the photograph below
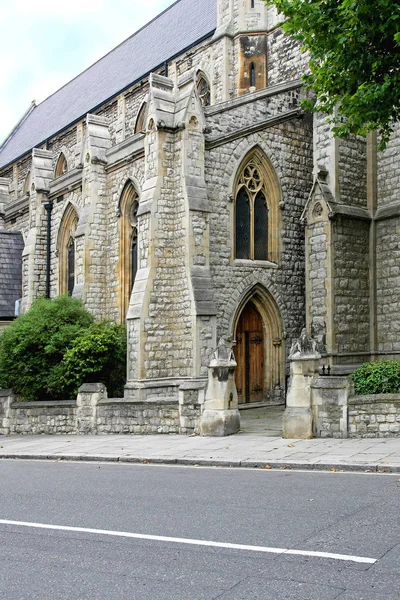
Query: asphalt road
356, 515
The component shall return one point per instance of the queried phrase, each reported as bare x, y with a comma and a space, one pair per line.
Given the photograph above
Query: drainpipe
49, 207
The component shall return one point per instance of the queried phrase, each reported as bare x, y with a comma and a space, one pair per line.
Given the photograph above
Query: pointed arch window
71, 266
257, 211
140, 125
128, 263
66, 248
61, 166
203, 89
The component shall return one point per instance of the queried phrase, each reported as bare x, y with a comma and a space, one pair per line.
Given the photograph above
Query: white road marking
161, 538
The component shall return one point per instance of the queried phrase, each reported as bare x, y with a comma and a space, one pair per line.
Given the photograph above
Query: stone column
89, 395
34, 253
298, 417
221, 415
6, 399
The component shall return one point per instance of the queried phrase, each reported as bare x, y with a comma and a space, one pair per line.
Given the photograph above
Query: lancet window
128, 245
66, 247
140, 125
61, 166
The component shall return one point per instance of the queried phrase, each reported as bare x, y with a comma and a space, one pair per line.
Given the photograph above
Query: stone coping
138, 403
43, 404
375, 399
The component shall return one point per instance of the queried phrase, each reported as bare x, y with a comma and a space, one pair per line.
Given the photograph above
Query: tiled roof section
177, 28
11, 246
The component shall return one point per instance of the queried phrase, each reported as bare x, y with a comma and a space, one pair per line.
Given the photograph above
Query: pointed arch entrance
259, 350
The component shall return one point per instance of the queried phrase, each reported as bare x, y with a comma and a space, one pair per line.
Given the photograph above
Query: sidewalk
253, 450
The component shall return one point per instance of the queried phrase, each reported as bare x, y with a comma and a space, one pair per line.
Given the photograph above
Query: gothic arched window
71, 266
128, 264
256, 210
67, 251
61, 166
203, 89
139, 125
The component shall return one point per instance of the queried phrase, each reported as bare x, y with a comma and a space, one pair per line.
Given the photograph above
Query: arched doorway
249, 354
259, 352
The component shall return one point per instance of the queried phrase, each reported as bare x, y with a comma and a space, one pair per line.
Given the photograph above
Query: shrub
33, 346
97, 354
381, 377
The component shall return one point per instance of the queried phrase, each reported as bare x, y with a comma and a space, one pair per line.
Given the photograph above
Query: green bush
98, 354
381, 377
33, 346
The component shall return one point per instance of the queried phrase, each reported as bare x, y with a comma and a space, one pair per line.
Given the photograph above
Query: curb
273, 465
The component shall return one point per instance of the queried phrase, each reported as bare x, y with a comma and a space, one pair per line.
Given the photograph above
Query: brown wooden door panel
249, 353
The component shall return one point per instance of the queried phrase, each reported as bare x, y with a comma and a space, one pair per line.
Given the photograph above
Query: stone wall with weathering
352, 165
388, 284
389, 171
374, 416
351, 284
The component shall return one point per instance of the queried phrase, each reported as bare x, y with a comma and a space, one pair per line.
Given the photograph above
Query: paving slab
246, 450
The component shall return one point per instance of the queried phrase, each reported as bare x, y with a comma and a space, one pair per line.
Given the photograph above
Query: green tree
33, 346
97, 354
354, 60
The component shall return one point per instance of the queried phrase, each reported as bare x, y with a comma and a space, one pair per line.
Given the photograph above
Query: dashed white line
174, 540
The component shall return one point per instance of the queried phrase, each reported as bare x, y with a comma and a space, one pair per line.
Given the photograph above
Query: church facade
177, 185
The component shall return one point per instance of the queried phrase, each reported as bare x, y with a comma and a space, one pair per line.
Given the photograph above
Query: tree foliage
47, 353
354, 60
33, 346
381, 377
97, 354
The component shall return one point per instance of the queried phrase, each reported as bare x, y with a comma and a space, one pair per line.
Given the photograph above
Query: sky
45, 43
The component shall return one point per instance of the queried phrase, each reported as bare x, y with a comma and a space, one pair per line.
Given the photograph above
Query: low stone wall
94, 413
374, 416
122, 416
329, 396
43, 417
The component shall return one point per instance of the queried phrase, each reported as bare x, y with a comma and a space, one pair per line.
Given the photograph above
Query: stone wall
94, 413
374, 416
388, 284
351, 284
389, 171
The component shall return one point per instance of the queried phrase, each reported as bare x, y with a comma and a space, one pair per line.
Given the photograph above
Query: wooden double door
249, 354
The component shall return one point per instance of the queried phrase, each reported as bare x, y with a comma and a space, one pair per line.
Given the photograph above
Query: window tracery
257, 196
203, 89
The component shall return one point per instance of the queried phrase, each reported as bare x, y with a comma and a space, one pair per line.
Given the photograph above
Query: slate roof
11, 246
177, 28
